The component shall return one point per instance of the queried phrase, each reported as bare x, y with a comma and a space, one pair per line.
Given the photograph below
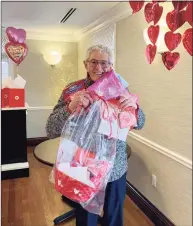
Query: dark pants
113, 207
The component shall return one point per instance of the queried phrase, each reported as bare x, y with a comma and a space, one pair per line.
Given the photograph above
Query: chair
46, 153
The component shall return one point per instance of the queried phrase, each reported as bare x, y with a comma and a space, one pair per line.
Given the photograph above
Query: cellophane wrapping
87, 149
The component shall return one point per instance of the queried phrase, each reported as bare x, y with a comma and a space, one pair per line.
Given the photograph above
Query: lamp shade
52, 58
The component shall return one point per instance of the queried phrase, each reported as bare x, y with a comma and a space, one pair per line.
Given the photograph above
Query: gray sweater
61, 113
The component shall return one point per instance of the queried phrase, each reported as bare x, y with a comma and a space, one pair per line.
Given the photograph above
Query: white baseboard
15, 166
178, 158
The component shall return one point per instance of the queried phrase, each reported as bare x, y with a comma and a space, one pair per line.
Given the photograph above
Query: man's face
97, 64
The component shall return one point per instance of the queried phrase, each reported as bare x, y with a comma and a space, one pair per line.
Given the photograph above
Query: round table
46, 153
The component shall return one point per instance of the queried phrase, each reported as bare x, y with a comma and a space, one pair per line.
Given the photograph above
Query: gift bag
84, 160
87, 146
115, 122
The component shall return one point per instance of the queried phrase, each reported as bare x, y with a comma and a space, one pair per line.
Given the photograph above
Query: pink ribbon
107, 112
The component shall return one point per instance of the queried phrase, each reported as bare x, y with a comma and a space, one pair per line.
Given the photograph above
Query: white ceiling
45, 16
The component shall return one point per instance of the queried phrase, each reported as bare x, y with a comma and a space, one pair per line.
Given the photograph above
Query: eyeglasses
103, 63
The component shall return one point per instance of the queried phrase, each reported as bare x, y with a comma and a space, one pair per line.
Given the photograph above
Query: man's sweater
61, 113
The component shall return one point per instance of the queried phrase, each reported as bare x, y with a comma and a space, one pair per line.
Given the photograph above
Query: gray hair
102, 48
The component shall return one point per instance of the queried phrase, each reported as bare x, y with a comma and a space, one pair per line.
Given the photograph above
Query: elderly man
98, 61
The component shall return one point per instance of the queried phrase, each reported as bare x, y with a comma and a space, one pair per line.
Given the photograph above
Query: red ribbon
108, 113
111, 115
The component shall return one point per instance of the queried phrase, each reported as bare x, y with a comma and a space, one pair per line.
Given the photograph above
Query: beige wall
82, 47
173, 193
166, 98
44, 83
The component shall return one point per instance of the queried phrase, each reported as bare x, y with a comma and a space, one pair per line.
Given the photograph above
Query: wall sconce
52, 58
161, 46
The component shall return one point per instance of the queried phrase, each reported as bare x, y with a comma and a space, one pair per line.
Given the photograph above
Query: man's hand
81, 98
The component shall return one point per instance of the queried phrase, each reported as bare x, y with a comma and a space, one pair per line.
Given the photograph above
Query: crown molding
118, 12
46, 36
61, 37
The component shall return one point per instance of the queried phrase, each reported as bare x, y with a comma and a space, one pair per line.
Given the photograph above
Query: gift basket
87, 146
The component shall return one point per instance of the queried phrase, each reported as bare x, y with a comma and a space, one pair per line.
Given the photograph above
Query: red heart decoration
153, 32
188, 15
187, 40
172, 40
179, 5
175, 19
170, 59
150, 53
136, 6
149, 12
158, 10
16, 52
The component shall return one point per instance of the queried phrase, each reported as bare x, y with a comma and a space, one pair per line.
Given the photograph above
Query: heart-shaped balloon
175, 19
150, 53
136, 5
149, 12
187, 40
153, 32
158, 10
16, 35
16, 52
172, 40
179, 5
188, 14
170, 59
